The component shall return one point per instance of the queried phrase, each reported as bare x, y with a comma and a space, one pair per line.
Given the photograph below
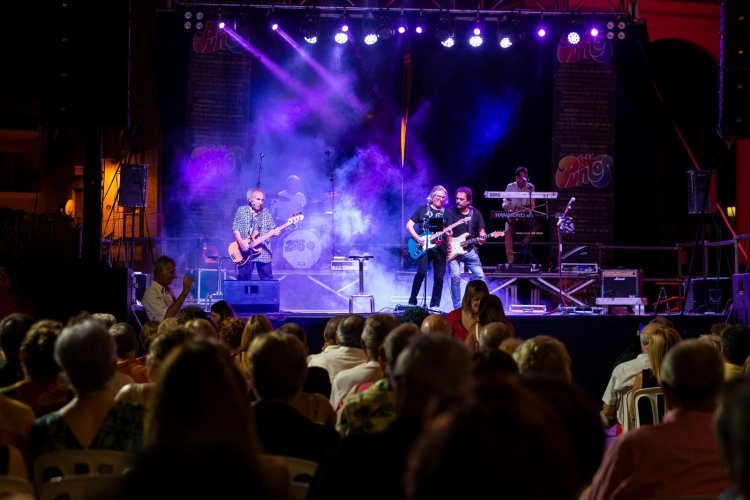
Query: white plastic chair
16, 487
301, 472
80, 487
654, 395
71, 463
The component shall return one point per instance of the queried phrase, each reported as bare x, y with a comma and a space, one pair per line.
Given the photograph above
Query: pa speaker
741, 299
708, 295
133, 180
252, 296
700, 184
734, 73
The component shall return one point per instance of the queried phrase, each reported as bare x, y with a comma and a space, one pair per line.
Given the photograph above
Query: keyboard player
519, 206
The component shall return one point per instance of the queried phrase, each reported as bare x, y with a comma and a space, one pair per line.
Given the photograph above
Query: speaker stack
734, 70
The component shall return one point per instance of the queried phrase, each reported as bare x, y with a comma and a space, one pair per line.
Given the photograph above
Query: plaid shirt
245, 224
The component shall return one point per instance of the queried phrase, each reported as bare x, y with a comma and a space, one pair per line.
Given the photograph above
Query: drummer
291, 201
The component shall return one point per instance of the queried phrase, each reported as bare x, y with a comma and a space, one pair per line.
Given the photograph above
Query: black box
708, 295
252, 296
741, 299
206, 283
622, 283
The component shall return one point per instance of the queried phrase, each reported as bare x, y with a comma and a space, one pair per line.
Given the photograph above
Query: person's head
417, 379
376, 329
663, 339
735, 344
502, 426
662, 320
732, 423
220, 311
436, 323
437, 196
395, 342
87, 353
200, 402
718, 328
278, 366
164, 344
492, 335
692, 374
475, 290
256, 197
203, 327
38, 349
13, 328
149, 331
107, 318
711, 339
415, 314
188, 313
295, 330
463, 197
329, 332
166, 325
510, 345
256, 325
544, 355
522, 174
349, 331
164, 270
230, 332
491, 309
125, 340
493, 362
293, 184
645, 335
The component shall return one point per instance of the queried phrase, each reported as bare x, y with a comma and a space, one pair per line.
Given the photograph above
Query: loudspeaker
741, 298
699, 184
708, 295
622, 283
133, 179
734, 69
141, 281
252, 296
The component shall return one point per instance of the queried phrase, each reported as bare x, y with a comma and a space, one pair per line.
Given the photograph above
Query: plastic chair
654, 396
300, 470
16, 487
81, 487
70, 463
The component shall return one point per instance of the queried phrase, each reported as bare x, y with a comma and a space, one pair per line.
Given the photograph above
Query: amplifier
579, 267
253, 296
622, 283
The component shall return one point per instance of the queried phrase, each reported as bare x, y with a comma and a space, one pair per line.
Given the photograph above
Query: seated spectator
735, 348
149, 331
436, 323
732, 422
492, 437
127, 345
42, 389
349, 354
221, 310
490, 310
278, 367
371, 409
462, 319
230, 334
256, 325
87, 354
544, 355
680, 456
415, 314
13, 329
201, 441
203, 327
188, 313
510, 345
329, 334
12, 464
621, 381
15, 423
492, 335
376, 328
493, 362
712, 339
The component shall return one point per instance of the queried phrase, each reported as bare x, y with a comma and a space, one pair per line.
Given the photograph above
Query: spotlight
419, 26
449, 42
594, 32
476, 40
541, 32
385, 27
342, 36
220, 21
402, 26
188, 24
616, 29
573, 38
309, 28
369, 30
504, 40
273, 21
222, 25
444, 31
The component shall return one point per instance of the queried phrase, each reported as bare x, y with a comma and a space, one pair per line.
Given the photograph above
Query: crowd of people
423, 405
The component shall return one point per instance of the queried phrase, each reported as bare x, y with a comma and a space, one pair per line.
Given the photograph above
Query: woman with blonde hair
256, 325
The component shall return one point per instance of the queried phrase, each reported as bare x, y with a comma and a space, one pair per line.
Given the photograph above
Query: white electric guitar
457, 246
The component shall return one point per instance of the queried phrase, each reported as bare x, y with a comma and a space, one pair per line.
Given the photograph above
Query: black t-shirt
472, 227
423, 214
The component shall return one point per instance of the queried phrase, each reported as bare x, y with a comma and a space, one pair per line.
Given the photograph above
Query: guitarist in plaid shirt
253, 220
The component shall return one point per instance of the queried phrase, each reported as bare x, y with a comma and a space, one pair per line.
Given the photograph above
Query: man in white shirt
158, 299
349, 354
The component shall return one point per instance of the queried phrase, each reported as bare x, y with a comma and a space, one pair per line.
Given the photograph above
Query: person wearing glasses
431, 249
253, 222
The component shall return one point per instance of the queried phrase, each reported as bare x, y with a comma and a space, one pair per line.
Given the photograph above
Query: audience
462, 319
127, 345
735, 348
42, 388
86, 353
544, 355
436, 323
230, 334
349, 353
493, 334
13, 329
490, 311
256, 325
680, 456
221, 310
732, 422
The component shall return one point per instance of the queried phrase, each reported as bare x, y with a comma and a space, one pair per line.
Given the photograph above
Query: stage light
188, 24
476, 40
222, 25
385, 27
444, 31
342, 35
419, 25
369, 30
402, 26
541, 32
573, 38
309, 28
504, 40
199, 20
616, 28
594, 32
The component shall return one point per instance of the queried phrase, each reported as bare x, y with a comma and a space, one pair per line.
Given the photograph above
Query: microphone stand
563, 303
426, 224
260, 169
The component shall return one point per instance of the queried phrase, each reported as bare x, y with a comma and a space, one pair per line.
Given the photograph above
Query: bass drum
301, 249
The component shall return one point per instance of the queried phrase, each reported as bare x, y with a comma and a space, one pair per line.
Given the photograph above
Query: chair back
16, 487
301, 473
81, 487
63, 464
655, 398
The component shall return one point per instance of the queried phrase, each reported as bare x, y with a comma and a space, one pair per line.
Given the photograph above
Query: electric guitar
457, 245
241, 258
416, 250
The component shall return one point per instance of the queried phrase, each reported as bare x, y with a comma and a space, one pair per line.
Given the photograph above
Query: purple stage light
402, 29
594, 32
275, 26
541, 32
419, 29
574, 38
341, 37
222, 25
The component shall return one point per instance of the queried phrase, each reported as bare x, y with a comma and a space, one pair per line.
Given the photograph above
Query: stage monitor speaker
708, 295
253, 296
701, 183
734, 69
741, 299
622, 283
133, 179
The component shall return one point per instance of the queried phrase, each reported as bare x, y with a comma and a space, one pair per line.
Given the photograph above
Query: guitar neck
266, 236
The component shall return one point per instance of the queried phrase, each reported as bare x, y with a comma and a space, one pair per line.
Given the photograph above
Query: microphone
262, 155
570, 203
